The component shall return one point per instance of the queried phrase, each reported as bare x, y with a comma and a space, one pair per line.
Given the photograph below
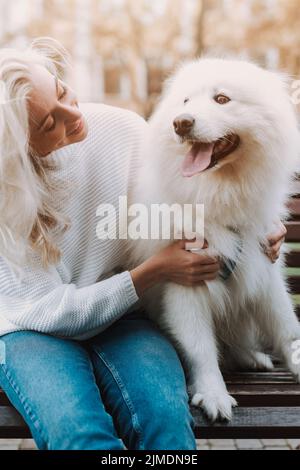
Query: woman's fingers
274, 251
275, 241
277, 236
201, 258
195, 278
195, 243
204, 277
208, 269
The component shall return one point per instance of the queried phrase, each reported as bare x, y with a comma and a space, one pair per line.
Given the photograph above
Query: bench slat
265, 395
256, 379
252, 423
12, 424
293, 283
294, 206
293, 231
293, 259
247, 422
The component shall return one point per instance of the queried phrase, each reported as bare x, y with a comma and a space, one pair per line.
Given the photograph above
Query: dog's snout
183, 124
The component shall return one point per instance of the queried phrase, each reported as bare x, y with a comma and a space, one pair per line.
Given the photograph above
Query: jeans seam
26, 406
135, 422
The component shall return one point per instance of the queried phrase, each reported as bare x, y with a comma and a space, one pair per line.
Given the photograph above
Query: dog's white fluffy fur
247, 190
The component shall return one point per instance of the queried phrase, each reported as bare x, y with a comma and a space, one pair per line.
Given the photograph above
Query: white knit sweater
81, 295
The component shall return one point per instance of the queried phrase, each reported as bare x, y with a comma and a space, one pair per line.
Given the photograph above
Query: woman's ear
57, 55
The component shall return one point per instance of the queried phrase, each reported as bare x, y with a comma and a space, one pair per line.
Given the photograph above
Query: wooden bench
269, 402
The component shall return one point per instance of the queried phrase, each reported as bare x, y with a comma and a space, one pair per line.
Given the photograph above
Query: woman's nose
71, 112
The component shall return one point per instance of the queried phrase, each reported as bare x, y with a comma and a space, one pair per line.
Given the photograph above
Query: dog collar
228, 264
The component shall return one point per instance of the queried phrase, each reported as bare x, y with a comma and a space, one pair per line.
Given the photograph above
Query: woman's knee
166, 421
73, 430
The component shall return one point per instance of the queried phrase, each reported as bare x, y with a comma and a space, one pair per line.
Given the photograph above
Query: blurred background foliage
123, 49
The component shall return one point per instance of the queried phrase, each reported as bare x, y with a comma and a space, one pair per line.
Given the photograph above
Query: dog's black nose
183, 124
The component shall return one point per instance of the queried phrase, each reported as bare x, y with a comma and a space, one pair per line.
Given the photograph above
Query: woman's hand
175, 264
275, 240
186, 268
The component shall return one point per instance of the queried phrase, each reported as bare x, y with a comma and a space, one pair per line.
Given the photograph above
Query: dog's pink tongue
197, 159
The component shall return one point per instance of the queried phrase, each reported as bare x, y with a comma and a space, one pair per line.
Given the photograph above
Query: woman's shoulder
113, 118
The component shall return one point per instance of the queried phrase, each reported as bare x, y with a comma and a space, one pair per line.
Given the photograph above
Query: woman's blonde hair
27, 212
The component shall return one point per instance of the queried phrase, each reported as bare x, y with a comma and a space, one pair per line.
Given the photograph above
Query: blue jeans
124, 388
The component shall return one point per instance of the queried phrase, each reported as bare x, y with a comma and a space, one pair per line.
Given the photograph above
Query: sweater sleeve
40, 301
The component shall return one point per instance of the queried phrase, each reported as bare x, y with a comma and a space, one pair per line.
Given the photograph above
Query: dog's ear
287, 86
170, 79
283, 79
174, 76
289, 105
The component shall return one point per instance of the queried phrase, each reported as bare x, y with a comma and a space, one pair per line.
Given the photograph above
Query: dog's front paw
215, 404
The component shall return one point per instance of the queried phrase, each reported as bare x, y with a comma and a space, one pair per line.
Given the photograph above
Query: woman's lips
78, 128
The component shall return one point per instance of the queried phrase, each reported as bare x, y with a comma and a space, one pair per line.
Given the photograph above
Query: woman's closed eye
52, 127
64, 92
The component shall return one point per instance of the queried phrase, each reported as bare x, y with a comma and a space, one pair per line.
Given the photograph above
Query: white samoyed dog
224, 135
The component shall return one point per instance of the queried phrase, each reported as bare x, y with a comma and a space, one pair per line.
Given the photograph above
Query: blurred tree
266, 30
123, 49
277, 27
200, 17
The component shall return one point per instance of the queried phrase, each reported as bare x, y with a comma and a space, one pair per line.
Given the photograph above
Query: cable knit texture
82, 294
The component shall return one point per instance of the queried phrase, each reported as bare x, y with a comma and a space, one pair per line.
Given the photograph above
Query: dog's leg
243, 359
243, 346
189, 321
275, 313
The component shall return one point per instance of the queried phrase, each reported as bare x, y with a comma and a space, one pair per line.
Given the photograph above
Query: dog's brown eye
222, 99
186, 100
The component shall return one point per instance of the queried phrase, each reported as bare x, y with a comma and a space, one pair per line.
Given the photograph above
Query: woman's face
54, 117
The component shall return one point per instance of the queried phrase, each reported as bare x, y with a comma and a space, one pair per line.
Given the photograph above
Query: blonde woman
84, 367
